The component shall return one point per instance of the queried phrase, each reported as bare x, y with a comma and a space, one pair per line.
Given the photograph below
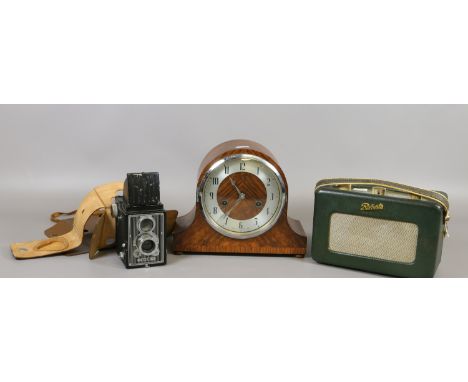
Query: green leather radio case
379, 226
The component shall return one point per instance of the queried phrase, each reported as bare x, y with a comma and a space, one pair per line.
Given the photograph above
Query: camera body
140, 222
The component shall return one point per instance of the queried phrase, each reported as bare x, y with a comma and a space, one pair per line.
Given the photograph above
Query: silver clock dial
242, 196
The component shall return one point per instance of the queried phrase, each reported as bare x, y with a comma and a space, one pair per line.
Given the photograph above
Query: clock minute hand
241, 198
230, 210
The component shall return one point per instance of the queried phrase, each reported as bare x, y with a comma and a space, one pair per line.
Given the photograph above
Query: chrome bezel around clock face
248, 234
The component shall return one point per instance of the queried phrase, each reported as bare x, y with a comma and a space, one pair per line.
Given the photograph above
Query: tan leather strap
66, 225
55, 216
98, 201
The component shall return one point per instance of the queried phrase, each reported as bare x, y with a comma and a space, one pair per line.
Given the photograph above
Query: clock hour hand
241, 198
234, 185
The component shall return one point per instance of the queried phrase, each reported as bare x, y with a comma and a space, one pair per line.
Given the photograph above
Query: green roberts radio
379, 226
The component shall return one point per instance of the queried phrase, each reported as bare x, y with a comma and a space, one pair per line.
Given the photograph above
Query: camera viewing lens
146, 225
148, 246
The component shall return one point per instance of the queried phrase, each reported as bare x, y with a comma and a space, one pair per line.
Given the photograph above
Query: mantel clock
241, 206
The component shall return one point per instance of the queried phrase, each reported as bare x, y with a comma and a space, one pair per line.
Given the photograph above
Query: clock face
242, 196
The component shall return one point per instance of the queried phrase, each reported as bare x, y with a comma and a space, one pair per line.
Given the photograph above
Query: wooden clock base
193, 235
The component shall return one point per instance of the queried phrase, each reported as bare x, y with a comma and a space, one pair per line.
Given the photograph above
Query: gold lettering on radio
371, 207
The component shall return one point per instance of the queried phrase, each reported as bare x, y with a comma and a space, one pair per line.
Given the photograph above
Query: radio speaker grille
373, 238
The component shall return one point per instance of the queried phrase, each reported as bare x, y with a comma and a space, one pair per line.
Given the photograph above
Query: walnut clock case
241, 206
